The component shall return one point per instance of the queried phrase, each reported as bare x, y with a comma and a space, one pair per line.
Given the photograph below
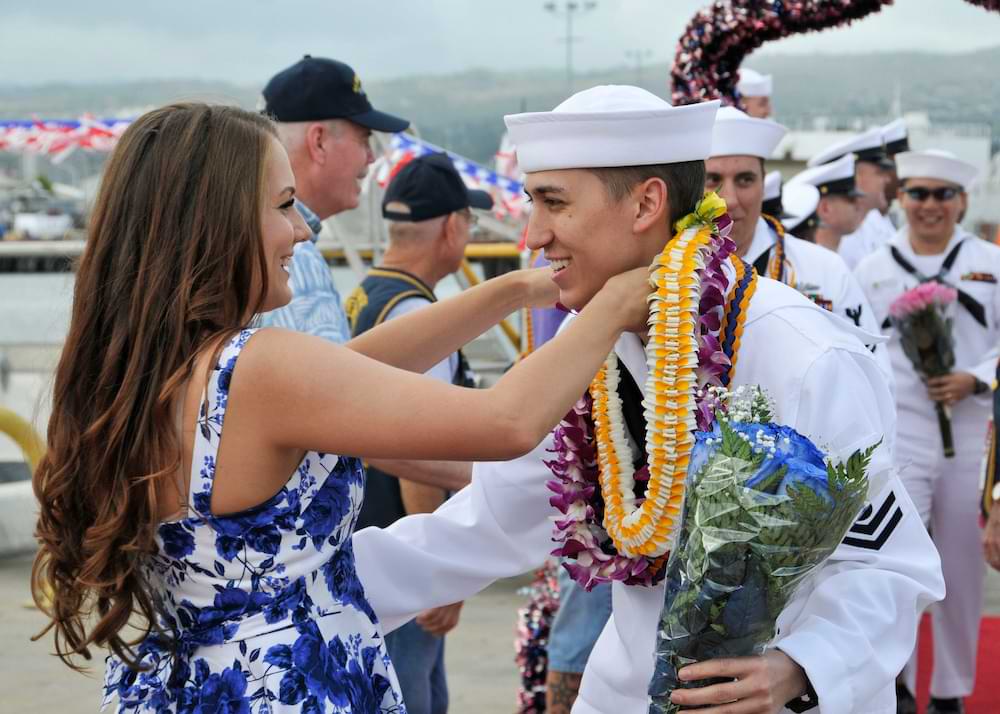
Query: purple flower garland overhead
991, 5
719, 37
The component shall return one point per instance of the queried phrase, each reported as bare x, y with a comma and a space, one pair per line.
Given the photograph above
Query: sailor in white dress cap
933, 246
872, 173
735, 170
838, 209
610, 171
801, 203
755, 90
772, 206
896, 137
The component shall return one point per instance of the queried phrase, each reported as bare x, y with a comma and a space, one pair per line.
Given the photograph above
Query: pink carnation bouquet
920, 315
929, 295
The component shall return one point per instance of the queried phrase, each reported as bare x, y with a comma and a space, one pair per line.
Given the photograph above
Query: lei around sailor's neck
613, 529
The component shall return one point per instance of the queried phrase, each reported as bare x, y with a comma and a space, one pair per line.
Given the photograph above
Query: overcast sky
246, 41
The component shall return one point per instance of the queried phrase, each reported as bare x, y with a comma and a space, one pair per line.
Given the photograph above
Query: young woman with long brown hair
232, 556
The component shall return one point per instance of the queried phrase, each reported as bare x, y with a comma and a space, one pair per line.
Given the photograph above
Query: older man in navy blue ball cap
325, 122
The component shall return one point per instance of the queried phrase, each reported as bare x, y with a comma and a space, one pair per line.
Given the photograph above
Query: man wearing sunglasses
945, 490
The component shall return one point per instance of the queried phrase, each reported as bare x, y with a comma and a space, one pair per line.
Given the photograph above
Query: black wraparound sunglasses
921, 194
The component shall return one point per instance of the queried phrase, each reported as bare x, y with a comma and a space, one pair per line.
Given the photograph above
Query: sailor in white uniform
945, 490
872, 173
755, 89
848, 632
735, 170
897, 140
800, 202
772, 206
838, 211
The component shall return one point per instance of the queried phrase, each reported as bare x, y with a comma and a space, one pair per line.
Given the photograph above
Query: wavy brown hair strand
173, 263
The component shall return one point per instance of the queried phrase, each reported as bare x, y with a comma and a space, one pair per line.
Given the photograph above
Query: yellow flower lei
669, 403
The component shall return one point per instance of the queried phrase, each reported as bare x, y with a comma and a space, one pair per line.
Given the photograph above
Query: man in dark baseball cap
317, 88
325, 122
429, 187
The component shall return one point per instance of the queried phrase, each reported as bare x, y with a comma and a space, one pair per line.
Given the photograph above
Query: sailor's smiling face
585, 234
933, 208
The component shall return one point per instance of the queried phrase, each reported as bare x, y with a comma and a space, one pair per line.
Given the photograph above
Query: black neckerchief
635, 420
970, 303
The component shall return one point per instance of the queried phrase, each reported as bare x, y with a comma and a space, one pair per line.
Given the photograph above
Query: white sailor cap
754, 84
772, 186
609, 126
737, 134
835, 178
895, 137
935, 164
772, 204
801, 200
864, 147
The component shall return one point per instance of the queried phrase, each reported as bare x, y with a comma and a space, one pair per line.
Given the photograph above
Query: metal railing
24, 436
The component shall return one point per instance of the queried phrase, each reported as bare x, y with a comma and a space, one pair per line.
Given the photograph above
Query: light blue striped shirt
315, 307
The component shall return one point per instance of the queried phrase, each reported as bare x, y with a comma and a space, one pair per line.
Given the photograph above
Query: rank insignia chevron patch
875, 525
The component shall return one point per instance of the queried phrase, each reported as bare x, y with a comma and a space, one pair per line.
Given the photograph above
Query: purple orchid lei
591, 558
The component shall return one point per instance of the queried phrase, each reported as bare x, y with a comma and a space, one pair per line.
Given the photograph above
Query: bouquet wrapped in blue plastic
764, 507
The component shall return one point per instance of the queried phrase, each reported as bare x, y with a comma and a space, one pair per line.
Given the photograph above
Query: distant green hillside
465, 111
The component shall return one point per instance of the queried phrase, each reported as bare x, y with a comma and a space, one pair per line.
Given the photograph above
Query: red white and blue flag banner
60, 137
508, 193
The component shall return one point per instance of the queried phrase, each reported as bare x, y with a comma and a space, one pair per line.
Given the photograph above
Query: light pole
638, 56
569, 10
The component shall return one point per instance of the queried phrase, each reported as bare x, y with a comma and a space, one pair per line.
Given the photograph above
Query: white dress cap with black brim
867, 146
754, 84
833, 179
801, 201
936, 164
895, 137
612, 126
738, 134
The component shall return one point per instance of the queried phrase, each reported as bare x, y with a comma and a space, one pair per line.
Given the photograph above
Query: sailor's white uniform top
851, 627
972, 266
818, 273
823, 277
874, 232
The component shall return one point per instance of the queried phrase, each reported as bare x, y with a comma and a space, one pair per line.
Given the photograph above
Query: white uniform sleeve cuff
825, 669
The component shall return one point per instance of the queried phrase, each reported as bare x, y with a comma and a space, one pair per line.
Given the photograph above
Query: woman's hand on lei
628, 294
540, 291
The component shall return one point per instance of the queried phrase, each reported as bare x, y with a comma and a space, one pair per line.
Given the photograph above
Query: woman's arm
449, 475
299, 392
419, 340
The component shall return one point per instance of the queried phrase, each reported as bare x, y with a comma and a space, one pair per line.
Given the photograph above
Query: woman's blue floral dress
266, 606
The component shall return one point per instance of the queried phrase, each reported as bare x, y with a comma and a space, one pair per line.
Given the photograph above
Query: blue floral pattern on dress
263, 611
